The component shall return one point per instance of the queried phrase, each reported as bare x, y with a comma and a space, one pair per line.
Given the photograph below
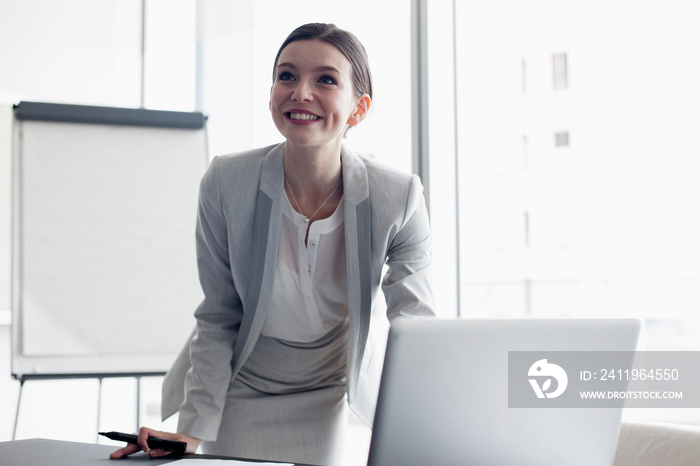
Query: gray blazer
238, 230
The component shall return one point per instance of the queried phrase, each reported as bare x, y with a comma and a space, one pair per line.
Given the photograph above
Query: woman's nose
302, 93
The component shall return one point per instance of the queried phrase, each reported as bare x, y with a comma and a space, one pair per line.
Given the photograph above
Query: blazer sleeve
407, 285
218, 318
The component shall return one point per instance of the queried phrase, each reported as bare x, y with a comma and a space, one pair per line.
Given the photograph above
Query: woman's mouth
299, 116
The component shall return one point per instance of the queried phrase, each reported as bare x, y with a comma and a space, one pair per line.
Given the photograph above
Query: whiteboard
104, 268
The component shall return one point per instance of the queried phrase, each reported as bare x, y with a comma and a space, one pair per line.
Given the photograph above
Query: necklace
308, 219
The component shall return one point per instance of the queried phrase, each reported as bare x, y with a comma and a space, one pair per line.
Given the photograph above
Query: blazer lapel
358, 235
268, 218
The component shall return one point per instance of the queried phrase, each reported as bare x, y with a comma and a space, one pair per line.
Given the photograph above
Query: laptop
443, 398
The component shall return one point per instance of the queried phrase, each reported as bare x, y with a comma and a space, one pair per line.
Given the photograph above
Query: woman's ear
361, 110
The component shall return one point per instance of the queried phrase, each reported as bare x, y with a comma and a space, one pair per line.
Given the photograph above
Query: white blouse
310, 294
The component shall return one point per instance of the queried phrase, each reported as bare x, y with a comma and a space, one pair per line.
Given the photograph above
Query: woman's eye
327, 80
285, 76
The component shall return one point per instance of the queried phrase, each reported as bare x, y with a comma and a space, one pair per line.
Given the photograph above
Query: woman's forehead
315, 54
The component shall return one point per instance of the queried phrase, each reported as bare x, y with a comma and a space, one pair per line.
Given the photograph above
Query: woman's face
312, 99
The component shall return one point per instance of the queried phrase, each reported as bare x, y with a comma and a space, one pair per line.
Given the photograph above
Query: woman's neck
312, 170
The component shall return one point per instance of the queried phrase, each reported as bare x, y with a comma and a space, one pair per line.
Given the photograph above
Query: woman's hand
144, 433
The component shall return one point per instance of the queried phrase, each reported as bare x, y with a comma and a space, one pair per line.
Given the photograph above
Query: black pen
153, 442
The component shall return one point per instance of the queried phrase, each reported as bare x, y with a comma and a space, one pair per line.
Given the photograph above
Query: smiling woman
292, 242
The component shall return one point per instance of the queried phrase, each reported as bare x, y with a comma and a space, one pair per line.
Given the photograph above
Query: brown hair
344, 41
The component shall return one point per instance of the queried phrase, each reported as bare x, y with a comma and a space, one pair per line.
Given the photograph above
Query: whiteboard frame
64, 367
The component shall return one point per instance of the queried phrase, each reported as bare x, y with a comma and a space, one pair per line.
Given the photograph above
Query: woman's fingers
145, 432
156, 452
142, 443
192, 443
127, 450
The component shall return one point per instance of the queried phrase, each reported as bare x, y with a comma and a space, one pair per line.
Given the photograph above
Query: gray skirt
288, 403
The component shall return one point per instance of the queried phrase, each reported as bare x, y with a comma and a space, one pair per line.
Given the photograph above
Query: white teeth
302, 116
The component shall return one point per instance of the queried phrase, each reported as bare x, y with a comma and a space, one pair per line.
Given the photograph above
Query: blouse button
313, 244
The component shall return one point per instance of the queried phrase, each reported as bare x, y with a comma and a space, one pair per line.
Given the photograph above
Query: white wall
8, 389
5, 210
72, 51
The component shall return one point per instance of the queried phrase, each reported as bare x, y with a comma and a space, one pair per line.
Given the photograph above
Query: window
169, 62
611, 229
560, 72
561, 139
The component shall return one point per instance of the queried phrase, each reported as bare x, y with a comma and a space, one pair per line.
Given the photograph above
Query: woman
291, 244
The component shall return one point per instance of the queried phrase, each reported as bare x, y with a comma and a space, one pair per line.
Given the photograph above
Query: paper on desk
200, 462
